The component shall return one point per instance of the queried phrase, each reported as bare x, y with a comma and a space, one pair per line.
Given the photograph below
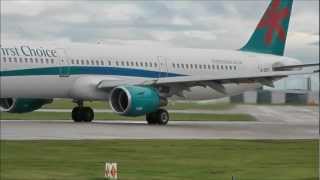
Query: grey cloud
232, 22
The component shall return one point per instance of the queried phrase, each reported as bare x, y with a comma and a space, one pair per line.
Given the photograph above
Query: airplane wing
215, 82
263, 78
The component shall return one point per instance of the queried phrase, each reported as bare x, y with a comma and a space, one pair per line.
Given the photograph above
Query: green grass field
161, 159
68, 104
112, 116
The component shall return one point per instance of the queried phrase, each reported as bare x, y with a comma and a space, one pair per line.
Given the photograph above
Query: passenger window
196, 66
213, 66
82, 62
141, 64
146, 64
52, 61
47, 61
20, 60
191, 66
155, 64
102, 63
4, 59
36, 60
178, 65
117, 63
182, 65
230, 67
10, 59
187, 66
132, 63
109, 62
72, 61
150, 64
92, 62
77, 61
204, 66
15, 60
137, 64
209, 67
97, 62
122, 63
173, 65
221, 67
226, 67
41, 60
26, 60
31, 60
200, 66
87, 62
127, 63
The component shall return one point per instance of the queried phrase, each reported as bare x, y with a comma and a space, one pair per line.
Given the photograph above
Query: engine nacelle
22, 105
135, 100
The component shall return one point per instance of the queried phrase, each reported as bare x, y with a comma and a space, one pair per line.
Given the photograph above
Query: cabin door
163, 67
64, 68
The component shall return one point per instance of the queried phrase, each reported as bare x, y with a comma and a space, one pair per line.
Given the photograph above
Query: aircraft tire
76, 114
87, 114
162, 117
82, 114
151, 118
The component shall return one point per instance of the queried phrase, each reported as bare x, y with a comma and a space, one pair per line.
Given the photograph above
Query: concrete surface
274, 122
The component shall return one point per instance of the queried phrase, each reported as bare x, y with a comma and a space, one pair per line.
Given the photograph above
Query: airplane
139, 81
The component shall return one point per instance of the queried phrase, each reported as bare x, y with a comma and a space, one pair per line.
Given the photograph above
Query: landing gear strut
81, 113
161, 116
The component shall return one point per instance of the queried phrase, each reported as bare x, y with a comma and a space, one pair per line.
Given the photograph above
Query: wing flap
286, 68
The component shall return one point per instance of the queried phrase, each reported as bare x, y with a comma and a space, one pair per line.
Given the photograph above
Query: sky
211, 24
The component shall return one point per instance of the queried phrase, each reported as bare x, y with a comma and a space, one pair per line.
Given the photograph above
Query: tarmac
273, 122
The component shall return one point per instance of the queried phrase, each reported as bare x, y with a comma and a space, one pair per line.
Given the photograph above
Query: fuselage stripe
76, 70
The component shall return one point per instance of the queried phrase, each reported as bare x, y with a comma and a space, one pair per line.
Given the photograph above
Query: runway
274, 122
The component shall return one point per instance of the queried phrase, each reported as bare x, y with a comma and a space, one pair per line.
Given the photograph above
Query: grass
112, 116
161, 159
68, 104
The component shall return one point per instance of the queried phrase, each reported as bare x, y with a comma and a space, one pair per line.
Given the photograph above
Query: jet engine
135, 100
22, 105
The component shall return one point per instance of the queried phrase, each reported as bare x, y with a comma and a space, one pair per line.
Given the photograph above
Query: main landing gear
82, 114
161, 116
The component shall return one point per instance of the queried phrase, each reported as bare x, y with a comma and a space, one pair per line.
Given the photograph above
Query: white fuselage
41, 70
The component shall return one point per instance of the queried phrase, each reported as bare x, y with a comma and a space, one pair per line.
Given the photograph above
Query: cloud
201, 24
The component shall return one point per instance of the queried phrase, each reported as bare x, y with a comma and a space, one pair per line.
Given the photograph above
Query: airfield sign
111, 171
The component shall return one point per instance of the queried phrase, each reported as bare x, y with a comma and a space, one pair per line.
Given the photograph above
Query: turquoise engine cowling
134, 100
22, 105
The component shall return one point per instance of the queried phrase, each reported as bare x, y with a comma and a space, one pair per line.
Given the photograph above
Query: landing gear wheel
151, 118
88, 114
82, 114
76, 114
161, 117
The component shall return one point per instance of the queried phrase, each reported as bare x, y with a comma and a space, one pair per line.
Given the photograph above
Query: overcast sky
224, 24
